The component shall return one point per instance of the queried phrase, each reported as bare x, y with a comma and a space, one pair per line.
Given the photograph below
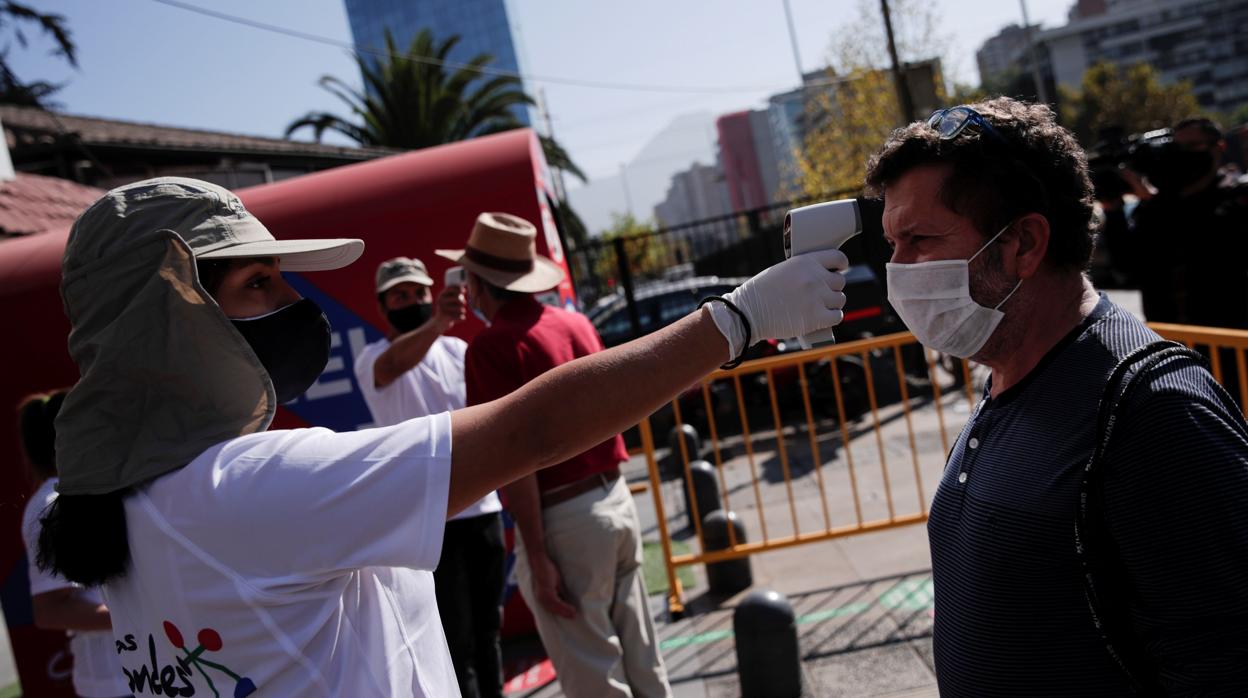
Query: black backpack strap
1103, 576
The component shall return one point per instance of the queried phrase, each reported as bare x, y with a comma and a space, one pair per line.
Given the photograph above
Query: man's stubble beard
989, 285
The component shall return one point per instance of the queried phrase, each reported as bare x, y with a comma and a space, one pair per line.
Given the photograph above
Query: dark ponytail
83, 538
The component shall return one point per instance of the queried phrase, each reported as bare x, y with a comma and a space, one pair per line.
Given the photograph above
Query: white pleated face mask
934, 300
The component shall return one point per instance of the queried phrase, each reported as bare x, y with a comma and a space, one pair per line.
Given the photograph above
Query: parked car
867, 314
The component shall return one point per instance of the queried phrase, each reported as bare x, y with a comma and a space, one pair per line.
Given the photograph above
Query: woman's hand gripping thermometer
823, 226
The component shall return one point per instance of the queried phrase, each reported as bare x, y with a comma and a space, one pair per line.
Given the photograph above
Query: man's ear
1032, 232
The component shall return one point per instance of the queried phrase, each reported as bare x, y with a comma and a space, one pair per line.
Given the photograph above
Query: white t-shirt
435, 385
298, 562
97, 674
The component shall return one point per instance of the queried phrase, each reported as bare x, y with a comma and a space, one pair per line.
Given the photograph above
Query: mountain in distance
687, 139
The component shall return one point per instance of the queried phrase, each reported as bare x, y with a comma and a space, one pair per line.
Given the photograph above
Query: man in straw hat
578, 555
418, 370
298, 562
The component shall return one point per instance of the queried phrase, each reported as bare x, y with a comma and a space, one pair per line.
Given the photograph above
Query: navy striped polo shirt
1011, 617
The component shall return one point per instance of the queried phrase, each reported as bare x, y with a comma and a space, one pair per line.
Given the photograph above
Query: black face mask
292, 345
1178, 168
410, 317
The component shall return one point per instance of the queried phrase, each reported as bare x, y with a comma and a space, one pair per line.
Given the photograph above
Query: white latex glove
793, 298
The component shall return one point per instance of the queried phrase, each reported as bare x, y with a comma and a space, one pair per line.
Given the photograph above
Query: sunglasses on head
951, 122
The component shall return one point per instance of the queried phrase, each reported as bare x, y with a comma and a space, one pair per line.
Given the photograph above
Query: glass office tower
483, 26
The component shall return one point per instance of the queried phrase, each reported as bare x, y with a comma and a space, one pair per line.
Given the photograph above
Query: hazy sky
144, 61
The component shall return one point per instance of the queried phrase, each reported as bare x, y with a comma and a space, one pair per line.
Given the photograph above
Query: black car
867, 314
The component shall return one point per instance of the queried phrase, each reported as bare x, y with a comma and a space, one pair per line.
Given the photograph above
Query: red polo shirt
525, 340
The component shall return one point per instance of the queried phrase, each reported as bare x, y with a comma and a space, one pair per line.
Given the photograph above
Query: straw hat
502, 250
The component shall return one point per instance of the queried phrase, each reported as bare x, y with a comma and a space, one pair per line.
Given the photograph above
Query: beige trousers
610, 648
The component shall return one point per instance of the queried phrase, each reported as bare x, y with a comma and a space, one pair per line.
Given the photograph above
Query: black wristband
745, 322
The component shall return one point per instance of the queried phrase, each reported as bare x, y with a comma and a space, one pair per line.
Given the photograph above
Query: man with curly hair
988, 209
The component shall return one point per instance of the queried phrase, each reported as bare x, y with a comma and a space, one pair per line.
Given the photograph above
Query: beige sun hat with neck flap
164, 373
502, 249
228, 231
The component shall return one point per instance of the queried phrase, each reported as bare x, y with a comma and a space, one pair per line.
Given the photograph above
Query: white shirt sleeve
312, 501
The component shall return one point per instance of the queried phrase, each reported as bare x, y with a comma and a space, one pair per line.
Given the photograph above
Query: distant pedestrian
1193, 235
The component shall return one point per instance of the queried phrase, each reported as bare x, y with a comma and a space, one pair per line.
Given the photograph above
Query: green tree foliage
849, 118
1013, 82
13, 17
648, 254
1131, 97
411, 101
574, 228
851, 123
626, 225
967, 94
1238, 117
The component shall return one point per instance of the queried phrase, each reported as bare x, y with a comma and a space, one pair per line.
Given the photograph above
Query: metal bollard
705, 490
730, 576
768, 657
673, 465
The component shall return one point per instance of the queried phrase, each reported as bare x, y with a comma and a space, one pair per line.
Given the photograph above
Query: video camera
1145, 153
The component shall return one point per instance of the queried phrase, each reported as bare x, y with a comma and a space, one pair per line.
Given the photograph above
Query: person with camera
299, 562
1187, 238
989, 210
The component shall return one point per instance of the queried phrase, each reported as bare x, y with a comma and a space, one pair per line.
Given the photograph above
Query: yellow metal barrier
736, 458
756, 440
1218, 345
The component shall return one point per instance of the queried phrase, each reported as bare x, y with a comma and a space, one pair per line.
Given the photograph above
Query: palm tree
411, 101
12, 89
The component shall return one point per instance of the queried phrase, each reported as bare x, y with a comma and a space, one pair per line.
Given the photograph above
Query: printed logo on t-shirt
179, 679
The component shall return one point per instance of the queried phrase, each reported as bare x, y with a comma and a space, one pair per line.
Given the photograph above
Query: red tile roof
28, 126
34, 204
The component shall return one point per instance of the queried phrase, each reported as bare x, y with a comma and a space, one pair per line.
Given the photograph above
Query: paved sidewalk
860, 635
864, 613
863, 602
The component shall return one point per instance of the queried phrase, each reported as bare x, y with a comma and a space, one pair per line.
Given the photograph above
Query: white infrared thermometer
455, 276
823, 226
